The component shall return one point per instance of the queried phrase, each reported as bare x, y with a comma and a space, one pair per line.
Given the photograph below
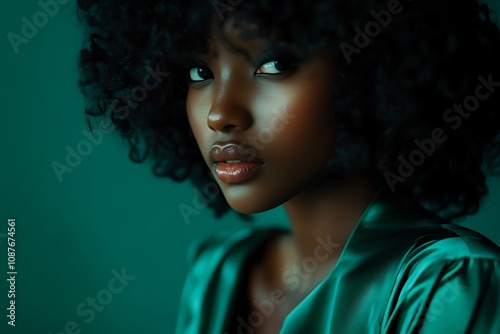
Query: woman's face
261, 123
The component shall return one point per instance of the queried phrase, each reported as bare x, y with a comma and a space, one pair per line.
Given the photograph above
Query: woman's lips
234, 163
237, 172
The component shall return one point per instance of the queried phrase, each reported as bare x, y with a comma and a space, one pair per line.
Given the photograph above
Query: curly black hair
415, 93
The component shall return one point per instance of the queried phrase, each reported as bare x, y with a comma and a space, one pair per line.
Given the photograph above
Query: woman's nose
230, 110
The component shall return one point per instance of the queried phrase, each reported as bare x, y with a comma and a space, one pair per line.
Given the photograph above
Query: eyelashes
279, 54
278, 61
199, 73
270, 63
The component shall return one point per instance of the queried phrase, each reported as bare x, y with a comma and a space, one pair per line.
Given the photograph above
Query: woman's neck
322, 218
327, 214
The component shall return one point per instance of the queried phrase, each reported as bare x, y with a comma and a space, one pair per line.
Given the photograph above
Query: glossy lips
233, 163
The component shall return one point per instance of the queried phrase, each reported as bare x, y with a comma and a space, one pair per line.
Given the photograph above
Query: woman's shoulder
471, 243
442, 249
448, 242
417, 232
449, 280
216, 266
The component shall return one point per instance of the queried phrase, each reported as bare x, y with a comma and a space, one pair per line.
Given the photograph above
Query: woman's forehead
238, 35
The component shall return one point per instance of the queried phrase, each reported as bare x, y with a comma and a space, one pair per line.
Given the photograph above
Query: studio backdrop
91, 242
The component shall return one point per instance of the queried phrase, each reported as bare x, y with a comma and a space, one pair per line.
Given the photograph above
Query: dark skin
319, 211
234, 99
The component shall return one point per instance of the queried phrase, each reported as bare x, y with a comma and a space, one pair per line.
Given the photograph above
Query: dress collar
382, 224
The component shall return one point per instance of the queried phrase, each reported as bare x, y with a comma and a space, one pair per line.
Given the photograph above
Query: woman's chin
248, 204
249, 208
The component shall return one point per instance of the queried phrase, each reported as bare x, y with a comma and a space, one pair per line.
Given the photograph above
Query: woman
374, 123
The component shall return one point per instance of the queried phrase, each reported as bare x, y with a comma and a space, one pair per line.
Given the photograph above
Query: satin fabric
402, 270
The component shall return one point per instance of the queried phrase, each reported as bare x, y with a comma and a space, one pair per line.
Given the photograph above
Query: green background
108, 213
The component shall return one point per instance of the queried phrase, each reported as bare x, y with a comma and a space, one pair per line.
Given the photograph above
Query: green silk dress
402, 270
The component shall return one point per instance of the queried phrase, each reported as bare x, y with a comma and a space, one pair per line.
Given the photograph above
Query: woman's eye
199, 73
275, 67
